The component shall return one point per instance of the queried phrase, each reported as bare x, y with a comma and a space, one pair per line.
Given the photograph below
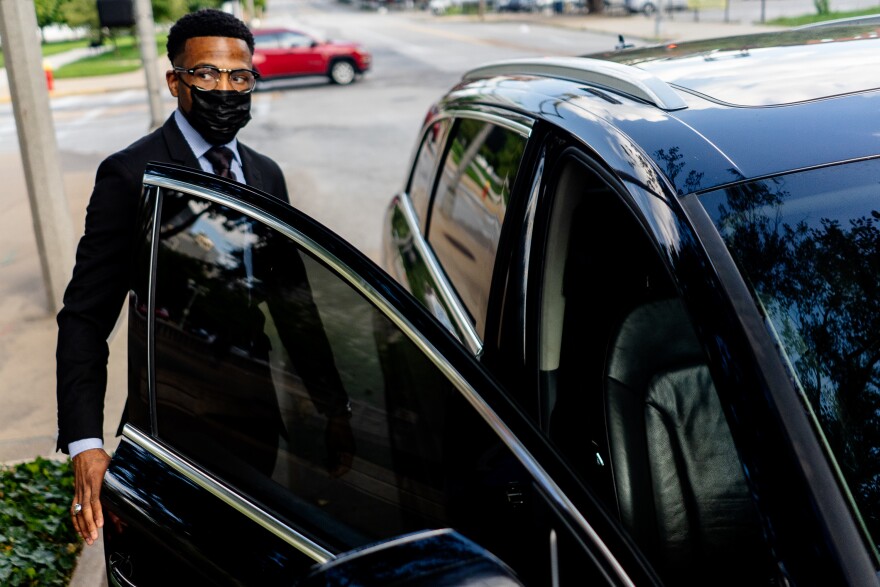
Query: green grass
793, 21
62, 46
53, 48
38, 545
123, 58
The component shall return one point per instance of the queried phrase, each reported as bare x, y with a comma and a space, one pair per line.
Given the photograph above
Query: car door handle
117, 579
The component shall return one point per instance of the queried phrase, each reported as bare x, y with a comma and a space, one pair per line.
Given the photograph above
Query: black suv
670, 260
630, 338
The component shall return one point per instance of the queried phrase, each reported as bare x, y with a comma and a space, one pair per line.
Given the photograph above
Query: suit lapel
252, 174
178, 148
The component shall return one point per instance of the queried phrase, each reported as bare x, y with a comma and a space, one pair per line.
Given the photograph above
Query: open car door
289, 402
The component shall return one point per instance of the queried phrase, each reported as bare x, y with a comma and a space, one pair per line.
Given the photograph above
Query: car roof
769, 69
667, 101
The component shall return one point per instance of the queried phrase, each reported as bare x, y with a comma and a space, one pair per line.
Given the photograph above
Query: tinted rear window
808, 244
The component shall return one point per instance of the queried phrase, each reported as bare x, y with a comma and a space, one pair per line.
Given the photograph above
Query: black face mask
218, 114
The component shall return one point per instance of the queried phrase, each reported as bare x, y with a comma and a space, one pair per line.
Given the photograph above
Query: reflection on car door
290, 403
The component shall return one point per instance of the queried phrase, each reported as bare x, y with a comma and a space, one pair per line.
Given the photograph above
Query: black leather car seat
678, 481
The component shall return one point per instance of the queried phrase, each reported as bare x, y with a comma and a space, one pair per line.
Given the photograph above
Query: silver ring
77, 508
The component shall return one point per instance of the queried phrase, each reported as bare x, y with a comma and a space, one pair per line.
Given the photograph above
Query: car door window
421, 182
260, 348
469, 205
628, 396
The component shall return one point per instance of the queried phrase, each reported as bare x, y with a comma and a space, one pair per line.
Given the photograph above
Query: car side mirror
315, 44
423, 559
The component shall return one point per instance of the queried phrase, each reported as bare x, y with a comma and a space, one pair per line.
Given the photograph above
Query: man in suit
212, 79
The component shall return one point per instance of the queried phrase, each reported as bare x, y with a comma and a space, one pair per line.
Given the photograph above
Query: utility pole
36, 140
658, 19
146, 32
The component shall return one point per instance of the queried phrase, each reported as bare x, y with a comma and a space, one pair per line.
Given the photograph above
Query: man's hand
89, 467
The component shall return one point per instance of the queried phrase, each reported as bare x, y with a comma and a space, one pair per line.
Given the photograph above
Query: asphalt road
344, 150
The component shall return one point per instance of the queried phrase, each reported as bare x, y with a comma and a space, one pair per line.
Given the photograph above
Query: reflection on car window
219, 284
469, 206
259, 348
422, 180
809, 245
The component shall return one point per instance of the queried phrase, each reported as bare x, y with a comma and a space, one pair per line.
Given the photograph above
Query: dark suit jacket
100, 281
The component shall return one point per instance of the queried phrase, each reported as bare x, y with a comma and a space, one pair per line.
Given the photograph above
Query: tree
820, 285
169, 10
48, 13
80, 13
194, 5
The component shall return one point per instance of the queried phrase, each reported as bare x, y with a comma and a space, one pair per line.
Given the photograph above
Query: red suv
284, 53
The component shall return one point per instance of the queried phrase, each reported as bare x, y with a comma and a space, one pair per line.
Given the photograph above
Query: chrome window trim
117, 579
522, 454
522, 129
469, 336
227, 495
151, 315
526, 252
438, 158
388, 544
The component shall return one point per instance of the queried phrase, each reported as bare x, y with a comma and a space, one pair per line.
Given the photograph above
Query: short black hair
206, 23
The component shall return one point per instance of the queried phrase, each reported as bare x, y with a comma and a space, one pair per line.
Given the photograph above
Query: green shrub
38, 545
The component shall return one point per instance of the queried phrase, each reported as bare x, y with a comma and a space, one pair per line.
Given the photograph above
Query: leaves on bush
38, 545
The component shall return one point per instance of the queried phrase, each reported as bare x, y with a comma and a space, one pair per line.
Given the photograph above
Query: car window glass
267, 42
422, 181
627, 395
809, 246
291, 39
469, 206
259, 349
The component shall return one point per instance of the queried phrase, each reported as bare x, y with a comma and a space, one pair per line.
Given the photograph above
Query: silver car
650, 7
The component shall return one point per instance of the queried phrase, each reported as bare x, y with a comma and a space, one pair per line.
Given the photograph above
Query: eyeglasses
207, 77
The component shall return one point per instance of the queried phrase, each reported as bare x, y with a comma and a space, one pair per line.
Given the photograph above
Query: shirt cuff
76, 447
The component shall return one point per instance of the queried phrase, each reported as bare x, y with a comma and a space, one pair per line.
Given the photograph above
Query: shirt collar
197, 143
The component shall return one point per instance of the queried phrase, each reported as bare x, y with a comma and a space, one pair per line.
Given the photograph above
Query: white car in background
649, 7
439, 6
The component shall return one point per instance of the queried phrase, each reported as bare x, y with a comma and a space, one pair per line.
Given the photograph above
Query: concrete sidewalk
28, 332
